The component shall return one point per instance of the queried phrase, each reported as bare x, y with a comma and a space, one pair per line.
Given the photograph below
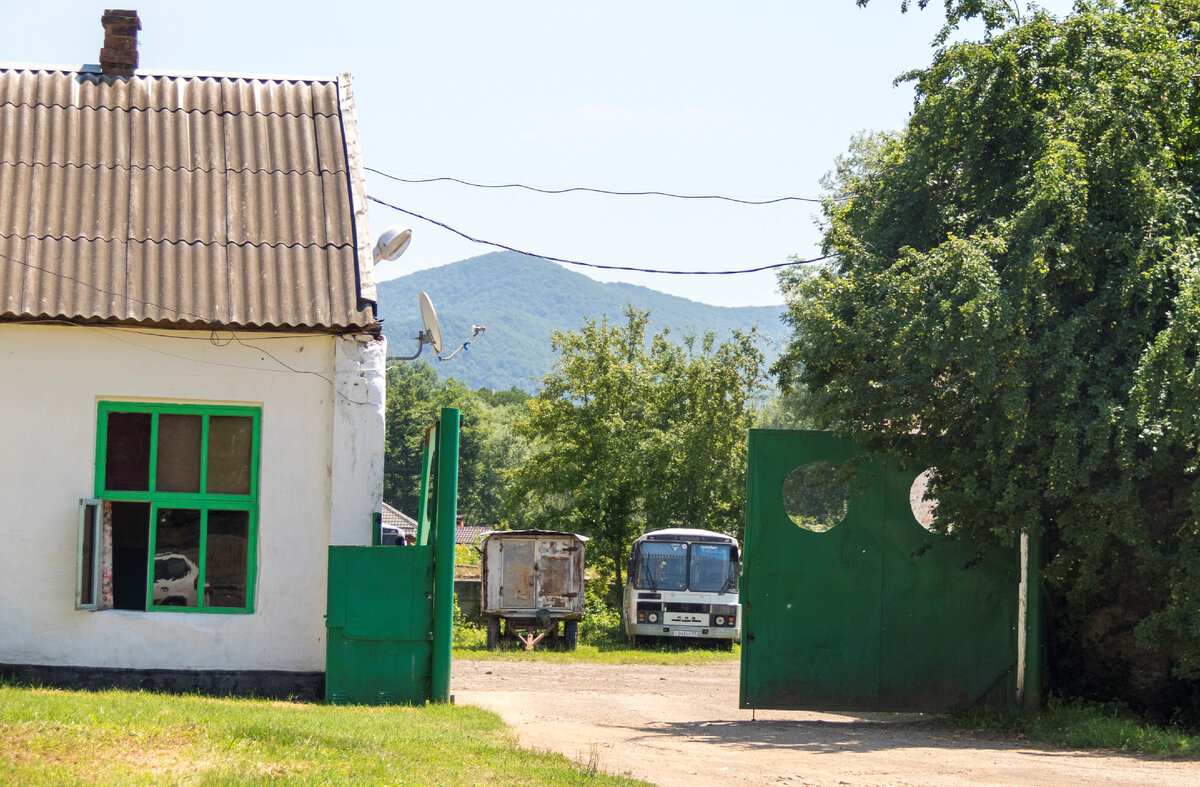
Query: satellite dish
392, 243
433, 331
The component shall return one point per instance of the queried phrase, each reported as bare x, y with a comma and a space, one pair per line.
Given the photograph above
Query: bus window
712, 570
663, 566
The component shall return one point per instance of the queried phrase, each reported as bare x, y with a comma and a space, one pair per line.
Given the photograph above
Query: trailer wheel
571, 634
493, 633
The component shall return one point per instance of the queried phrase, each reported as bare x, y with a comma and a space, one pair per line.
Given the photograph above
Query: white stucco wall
51, 379
358, 432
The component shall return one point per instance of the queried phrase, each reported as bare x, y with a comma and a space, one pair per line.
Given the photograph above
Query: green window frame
192, 473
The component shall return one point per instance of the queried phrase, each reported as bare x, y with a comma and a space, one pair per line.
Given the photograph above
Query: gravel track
673, 725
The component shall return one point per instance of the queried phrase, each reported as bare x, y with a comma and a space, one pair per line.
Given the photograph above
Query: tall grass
1077, 724
116, 737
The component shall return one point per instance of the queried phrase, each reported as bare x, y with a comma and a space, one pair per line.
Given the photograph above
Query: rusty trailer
532, 585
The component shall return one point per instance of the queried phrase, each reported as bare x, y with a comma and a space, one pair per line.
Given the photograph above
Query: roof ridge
94, 69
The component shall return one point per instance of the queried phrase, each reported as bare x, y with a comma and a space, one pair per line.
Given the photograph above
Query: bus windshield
712, 570
666, 565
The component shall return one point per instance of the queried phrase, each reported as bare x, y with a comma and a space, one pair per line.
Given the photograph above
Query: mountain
522, 300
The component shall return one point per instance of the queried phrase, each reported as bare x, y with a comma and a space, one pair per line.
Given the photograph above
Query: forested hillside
522, 300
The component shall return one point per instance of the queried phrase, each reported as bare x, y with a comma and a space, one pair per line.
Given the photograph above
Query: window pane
127, 457
176, 557
710, 568
178, 467
131, 547
229, 444
663, 566
87, 554
227, 558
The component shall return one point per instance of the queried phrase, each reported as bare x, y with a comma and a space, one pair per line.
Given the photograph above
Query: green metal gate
390, 609
876, 613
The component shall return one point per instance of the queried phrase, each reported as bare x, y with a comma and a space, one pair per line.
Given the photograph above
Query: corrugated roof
182, 200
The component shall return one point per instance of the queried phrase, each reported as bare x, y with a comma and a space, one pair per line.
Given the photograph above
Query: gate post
443, 555
1034, 555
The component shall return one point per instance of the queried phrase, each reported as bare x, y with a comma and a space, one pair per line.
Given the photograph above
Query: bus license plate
683, 633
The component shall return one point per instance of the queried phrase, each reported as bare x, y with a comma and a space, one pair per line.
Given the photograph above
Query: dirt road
682, 726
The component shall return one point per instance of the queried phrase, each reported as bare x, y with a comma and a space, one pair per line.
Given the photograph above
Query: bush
467, 555
467, 634
601, 622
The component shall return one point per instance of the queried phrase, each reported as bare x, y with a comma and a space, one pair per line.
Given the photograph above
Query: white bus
683, 583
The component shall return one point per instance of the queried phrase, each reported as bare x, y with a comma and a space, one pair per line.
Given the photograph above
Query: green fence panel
390, 609
876, 613
379, 624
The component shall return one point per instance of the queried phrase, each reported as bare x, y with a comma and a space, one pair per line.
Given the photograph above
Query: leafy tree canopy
1017, 282
994, 13
415, 398
630, 431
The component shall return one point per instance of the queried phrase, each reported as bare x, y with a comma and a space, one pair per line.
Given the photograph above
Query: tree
626, 436
696, 449
1016, 283
995, 14
415, 398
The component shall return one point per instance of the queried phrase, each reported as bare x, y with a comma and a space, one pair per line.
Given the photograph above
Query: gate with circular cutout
850, 603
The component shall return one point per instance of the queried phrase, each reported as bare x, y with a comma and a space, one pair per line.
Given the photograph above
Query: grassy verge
115, 737
1076, 724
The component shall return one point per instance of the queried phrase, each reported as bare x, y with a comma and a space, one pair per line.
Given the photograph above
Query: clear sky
747, 100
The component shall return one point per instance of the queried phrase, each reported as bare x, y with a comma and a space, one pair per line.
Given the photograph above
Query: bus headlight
720, 620
653, 617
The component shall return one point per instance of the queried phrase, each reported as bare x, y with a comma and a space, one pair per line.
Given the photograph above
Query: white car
176, 580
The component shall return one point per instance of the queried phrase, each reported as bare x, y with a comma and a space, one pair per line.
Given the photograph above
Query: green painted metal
391, 609
445, 525
379, 618
876, 613
428, 481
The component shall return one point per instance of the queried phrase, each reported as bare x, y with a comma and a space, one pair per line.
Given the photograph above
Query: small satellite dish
433, 333
392, 243
433, 330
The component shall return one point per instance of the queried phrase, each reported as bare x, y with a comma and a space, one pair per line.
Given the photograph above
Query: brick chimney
119, 56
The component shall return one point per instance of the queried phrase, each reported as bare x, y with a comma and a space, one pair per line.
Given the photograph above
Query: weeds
1078, 724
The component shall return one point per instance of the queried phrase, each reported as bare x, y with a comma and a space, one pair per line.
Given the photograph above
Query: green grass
1076, 724
116, 737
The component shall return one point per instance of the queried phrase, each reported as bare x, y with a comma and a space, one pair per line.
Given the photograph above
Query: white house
191, 373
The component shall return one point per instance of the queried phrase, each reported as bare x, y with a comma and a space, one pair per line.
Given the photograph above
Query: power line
446, 179
213, 338
101, 290
465, 236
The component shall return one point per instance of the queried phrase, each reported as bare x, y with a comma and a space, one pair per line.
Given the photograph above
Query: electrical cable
101, 290
465, 236
447, 179
213, 337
